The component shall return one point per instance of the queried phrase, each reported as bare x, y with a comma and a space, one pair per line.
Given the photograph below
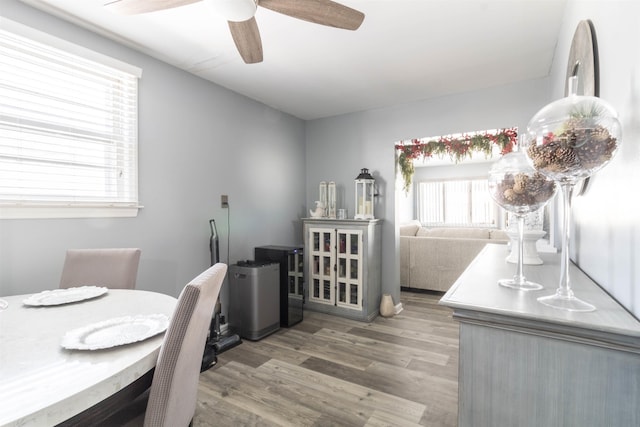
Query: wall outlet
224, 201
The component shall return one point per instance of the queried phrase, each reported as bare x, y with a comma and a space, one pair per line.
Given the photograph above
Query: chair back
115, 268
174, 390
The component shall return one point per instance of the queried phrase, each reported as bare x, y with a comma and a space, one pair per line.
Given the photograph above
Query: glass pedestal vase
520, 190
519, 281
564, 298
569, 140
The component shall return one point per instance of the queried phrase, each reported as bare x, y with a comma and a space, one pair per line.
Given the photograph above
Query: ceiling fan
240, 15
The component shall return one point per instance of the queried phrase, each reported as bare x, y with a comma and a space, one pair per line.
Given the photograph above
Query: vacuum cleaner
216, 342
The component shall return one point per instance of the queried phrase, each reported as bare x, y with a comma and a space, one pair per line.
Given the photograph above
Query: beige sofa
434, 258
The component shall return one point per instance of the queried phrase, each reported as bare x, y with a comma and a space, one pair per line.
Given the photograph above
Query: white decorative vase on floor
387, 308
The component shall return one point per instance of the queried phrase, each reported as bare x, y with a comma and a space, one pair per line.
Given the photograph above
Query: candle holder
322, 191
364, 195
518, 188
331, 200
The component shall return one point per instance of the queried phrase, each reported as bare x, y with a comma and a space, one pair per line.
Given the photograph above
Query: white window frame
79, 207
443, 219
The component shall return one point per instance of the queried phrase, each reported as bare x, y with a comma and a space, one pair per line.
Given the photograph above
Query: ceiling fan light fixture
234, 10
240, 16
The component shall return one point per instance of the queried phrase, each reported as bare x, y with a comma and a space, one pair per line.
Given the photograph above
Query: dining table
60, 361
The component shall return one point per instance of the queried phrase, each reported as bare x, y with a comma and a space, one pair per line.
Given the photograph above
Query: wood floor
331, 371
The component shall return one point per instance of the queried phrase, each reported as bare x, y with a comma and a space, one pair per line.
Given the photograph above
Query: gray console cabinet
526, 364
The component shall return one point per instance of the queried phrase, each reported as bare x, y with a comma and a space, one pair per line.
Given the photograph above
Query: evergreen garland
457, 147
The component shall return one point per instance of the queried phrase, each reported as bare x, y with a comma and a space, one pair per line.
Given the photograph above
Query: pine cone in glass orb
573, 137
517, 187
574, 152
522, 192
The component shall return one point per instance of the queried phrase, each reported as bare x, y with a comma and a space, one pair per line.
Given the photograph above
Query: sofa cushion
435, 263
435, 257
461, 233
410, 228
423, 232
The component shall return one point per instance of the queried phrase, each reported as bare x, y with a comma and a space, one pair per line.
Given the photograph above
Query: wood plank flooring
331, 371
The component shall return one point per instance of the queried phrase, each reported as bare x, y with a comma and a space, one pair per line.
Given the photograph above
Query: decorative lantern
364, 195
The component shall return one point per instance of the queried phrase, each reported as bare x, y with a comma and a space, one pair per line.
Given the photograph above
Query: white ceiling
405, 50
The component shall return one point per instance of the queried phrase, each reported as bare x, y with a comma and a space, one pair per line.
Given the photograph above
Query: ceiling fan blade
247, 39
132, 7
324, 12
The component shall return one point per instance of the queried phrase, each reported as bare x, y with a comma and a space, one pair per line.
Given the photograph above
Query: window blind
464, 202
68, 128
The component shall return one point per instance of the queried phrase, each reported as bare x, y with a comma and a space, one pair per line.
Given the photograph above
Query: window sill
51, 212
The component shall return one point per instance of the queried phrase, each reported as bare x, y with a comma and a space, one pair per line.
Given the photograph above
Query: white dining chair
173, 395
115, 268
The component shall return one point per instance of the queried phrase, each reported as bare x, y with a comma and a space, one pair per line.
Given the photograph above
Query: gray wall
607, 217
607, 223
337, 147
197, 141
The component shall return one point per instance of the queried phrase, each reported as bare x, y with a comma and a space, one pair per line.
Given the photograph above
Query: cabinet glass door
296, 274
321, 262
349, 269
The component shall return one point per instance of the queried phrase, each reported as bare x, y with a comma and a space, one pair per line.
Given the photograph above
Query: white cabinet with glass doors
343, 261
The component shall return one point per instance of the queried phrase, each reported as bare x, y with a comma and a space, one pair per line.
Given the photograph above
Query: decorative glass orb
569, 140
573, 137
517, 187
